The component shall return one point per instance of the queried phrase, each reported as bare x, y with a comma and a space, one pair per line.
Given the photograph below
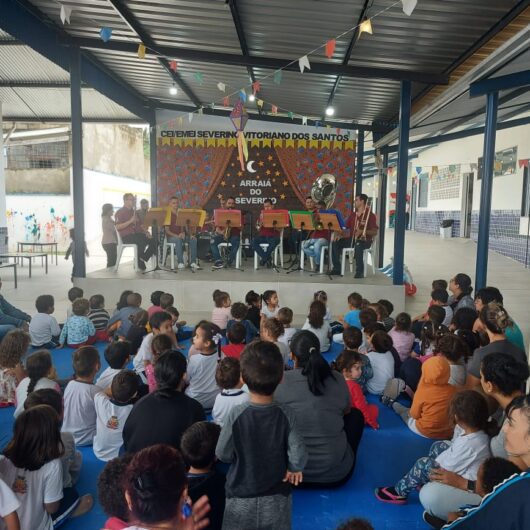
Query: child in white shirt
381, 360
79, 408
43, 328
8, 507
117, 354
221, 312
228, 377
285, 316
112, 413
270, 305
317, 324
202, 366
271, 330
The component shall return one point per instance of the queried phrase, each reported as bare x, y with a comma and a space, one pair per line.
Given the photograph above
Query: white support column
3, 216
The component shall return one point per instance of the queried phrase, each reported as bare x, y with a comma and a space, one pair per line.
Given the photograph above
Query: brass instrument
325, 189
227, 232
361, 221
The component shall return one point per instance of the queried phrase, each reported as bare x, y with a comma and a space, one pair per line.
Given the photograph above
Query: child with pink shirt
402, 337
221, 311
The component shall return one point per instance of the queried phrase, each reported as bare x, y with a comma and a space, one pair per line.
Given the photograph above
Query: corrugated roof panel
22, 63
5, 36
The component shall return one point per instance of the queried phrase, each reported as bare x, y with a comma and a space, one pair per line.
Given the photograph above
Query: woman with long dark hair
320, 399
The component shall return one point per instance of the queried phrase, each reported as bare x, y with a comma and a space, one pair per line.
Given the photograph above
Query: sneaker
181, 266
393, 388
390, 495
357, 275
195, 266
141, 265
433, 521
218, 265
385, 400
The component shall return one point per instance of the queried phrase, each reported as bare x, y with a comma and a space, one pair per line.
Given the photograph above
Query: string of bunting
435, 172
329, 46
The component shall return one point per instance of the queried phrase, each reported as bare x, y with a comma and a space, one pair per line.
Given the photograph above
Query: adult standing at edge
234, 239
109, 240
266, 235
11, 317
363, 227
179, 236
131, 231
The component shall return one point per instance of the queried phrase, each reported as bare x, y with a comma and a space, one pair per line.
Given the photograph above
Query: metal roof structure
237, 42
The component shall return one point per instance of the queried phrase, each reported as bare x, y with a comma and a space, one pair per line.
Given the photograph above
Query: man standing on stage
131, 230
234, 238
179, 236
270, 236
363, 228
318, 238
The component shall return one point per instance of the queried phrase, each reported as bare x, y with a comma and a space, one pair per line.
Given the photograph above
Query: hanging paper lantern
105, 34
239, 119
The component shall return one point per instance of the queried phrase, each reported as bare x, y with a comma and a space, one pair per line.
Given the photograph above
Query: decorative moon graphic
250, 169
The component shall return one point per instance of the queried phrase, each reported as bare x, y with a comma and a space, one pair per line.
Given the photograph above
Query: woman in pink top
221, 311
402, 337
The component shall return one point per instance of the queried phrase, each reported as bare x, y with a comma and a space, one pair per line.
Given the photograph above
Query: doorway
467, 204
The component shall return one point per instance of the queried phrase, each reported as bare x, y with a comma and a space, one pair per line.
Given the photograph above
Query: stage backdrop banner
200, 165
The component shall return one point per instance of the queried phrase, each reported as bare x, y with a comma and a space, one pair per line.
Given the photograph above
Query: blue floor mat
383, 457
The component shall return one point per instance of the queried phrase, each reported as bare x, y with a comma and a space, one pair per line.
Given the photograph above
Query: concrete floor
428, 257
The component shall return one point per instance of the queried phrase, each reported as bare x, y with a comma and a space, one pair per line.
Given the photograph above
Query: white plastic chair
350, 252
277, 255
323, 251
226, 245
119, 251
166, 245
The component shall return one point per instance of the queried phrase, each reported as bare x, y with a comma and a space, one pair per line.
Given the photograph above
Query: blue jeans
234, 242
5, 329
179, 248
419, 474
261, 240
312, 248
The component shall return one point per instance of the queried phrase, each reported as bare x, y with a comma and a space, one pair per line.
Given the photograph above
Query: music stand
332, 221
229, 219
190, 219
277, 220
156, 217
300, 220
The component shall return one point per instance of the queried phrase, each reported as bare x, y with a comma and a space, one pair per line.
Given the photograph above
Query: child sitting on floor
99, 316
253, 301
117, 354
78, 330
155, 301
236, 340
387, 320
40, 373
271, 330
79, 408
161, 343
138, 330
317, 324
203, 365
239, 313
285, 316
166, 300
111, 494
402, 337
178, 325
381, 360
112, 412
349, 364
12, 349
353, 338
221, 311
73, 294
198, 449
351, 318
120, 323
43, 328
431, 329
270, 304
463, 455
228, 377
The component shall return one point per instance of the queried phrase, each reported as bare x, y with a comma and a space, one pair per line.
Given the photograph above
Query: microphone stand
328, 272
187, 238
296, 261
271, 257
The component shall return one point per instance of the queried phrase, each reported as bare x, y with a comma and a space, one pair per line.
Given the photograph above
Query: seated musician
225, 234
270, 235
318, 238
179, 236
297, 236
362, 225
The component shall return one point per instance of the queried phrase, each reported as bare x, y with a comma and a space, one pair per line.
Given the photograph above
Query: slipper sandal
390, 495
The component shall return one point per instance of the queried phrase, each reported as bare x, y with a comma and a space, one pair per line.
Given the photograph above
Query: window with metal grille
38, 155
505, 163
423, 191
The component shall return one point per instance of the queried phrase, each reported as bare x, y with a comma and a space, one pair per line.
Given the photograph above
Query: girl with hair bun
321, 402
495, 320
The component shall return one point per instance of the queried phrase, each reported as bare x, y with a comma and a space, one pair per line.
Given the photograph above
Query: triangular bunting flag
198, 77
317, 124
173, 65
259, 102
418, 170
141, 51
330, 48
190, 116
105, 34
523, 162
221, 86
338, 130
66, 11
256, 87
212, 106
278, 77
409, 6
274, 109
243, 95
290, 115
303, 63
304, 120
226, 101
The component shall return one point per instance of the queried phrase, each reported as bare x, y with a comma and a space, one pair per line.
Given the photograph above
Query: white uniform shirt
144, 354
466, 453
288, 334
105, 379
42, 328
111, 418
383, 367
201, 376
321, 333
22, 391
226, 401
8, 500
267, 312
80, 411
33, 489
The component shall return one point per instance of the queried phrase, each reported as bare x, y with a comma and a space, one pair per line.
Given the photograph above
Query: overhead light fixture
252, 97
330, 111
173, 90
365, 27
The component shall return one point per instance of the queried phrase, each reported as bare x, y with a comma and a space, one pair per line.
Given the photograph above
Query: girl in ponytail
432, 329
40, 370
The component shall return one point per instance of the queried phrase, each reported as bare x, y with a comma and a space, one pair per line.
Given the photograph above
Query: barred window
38, 155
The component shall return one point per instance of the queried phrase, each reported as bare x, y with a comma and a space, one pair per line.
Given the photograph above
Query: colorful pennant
221, 86
198, 77
303, 63
105, 33
141, 51
277, 77
409, 6
330, 48
66, 11
173, 65
256, 87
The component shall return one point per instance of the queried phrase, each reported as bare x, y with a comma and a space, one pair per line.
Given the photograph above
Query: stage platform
193, 291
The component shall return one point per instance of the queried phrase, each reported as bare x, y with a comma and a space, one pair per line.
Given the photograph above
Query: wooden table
26, 255
53, 244
14, 266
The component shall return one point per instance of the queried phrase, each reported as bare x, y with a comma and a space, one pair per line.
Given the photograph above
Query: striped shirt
99, 317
